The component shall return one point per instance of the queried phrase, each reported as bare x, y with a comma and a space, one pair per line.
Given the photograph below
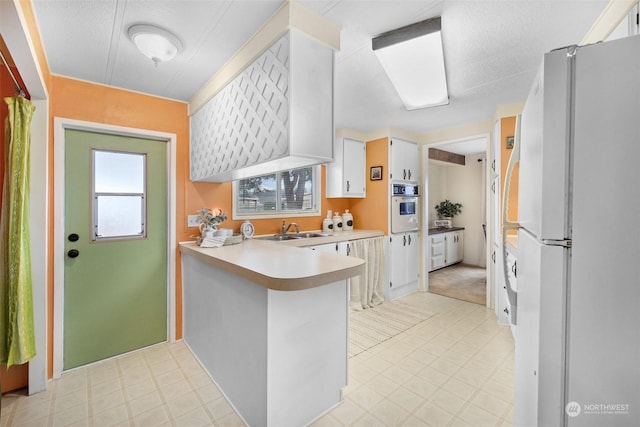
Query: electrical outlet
192, 221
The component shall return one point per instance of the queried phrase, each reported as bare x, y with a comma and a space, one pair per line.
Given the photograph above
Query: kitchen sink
281, 237
310, 235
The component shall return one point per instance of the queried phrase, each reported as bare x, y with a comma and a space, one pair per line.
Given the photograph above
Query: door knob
73, 253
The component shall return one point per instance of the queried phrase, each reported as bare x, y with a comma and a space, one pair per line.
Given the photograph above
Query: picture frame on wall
376, 173
510, 141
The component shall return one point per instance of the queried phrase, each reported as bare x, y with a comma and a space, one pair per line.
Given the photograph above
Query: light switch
192, 221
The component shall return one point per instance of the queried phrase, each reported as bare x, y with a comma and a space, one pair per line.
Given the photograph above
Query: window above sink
290, 193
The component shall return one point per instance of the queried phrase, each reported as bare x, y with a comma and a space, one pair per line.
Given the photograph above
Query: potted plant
209, 221
447, 209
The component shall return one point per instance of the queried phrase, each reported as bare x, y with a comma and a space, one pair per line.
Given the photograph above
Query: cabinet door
404, 163
343, 248
397, 261
404, 263
449, 249
436, 249
412, 161
412, 253
346, 174
328, 247
457, 251
354, 166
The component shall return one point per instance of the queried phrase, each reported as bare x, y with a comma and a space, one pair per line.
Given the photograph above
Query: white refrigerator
576, 304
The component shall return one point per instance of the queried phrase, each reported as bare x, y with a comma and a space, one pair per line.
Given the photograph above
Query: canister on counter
347, 221
337, 222
327, 223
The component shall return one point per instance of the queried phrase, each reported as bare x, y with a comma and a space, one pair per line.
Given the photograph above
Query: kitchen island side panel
225, 326
307, 353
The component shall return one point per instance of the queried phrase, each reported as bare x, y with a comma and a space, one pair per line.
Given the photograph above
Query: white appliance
576, 308
404, 208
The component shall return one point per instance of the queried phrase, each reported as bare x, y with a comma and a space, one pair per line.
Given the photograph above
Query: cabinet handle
493, 187
493, 165
409, 174
409, 239
348, 186
514, 268
404, 240
404, 174
506, 310
348, 249
493, 257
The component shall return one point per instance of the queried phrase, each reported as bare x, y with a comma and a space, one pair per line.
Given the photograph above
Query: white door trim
60, 125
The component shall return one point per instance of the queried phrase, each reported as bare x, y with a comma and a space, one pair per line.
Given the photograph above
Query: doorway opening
457, 245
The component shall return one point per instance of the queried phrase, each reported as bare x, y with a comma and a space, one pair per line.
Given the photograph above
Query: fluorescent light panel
413, 58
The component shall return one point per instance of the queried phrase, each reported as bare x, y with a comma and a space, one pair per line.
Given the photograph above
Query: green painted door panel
115, 297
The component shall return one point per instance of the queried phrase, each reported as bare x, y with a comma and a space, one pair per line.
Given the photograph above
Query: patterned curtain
17, 341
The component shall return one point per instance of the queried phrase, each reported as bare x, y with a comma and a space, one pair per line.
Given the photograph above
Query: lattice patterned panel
246, 123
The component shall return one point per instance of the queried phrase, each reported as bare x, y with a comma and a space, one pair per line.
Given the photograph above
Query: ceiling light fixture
413, 58
155, 43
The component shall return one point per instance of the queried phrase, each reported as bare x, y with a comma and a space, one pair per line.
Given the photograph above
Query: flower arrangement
207, 217
448, 209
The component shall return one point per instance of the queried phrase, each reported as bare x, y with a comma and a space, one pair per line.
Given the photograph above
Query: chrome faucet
286, 227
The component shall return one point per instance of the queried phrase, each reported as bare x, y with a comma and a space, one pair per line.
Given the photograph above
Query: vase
206, 230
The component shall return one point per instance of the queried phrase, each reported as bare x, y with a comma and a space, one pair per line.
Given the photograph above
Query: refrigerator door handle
507, 225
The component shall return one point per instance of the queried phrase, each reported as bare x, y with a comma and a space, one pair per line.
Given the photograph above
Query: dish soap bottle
337, 222
327, 223
347, 221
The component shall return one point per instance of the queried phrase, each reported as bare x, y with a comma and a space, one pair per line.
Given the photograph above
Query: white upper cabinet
346, 176
404, 162
277, 114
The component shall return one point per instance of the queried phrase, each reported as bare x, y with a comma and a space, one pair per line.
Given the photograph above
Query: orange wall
80, 100
508, 128
372, 212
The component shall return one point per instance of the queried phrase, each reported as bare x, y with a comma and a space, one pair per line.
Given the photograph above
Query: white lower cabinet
404, 257
436, 247
340, 248
454, 247
446, 249
327, 247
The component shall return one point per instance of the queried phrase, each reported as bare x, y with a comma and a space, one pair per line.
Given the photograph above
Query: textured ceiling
492, 49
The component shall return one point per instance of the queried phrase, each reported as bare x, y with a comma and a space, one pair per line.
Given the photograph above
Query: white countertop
283, 265
340, 236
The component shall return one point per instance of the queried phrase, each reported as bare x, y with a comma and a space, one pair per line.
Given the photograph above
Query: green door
115, 297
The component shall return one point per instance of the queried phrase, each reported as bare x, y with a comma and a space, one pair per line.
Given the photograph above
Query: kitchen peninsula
269, 323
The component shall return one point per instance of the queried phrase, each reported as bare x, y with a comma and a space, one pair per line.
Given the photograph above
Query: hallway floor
460, 281
453, 369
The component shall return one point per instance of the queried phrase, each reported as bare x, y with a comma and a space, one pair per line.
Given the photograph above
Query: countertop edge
339, 268
434, 231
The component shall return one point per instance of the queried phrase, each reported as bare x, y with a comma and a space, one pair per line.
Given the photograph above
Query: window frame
316, 174
94, 198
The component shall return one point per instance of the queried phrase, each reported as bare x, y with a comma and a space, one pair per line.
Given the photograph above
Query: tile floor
454, 369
